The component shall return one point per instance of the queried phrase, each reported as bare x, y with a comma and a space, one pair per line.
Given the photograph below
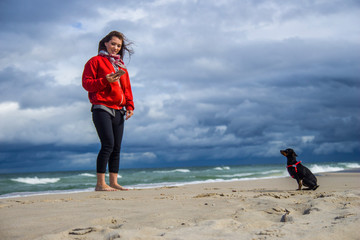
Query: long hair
126, 44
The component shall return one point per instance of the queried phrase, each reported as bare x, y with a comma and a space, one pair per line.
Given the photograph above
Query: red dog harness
294, 166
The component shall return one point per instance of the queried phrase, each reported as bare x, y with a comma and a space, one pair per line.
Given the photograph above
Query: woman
106, 79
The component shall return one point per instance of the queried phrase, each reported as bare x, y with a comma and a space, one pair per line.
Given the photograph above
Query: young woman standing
107, 81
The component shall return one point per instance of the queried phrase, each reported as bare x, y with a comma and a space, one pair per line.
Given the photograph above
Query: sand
258, 209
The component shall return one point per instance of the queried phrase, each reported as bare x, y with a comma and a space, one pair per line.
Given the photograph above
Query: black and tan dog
298, 171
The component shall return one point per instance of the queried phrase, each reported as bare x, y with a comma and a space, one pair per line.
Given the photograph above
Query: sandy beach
258, 209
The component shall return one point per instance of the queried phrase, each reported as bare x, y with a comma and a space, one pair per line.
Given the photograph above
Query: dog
302, 174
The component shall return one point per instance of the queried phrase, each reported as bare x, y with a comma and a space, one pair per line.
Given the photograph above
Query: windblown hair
126, 44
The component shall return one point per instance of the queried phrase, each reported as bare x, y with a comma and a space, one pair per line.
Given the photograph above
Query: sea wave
222, 168
236, 175
87, 175
260, 175
330, 168
177, 184
350, 165
273, 171
175, 170
108, 175
36, 180
319, 169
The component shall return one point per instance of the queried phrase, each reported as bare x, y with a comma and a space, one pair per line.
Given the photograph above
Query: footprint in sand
344, 216
270, 232
112, 236
310, 210
81, 231
84, 231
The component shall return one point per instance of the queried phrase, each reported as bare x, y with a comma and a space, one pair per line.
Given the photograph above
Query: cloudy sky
215, 82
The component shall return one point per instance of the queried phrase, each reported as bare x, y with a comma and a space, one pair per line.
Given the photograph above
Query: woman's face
113, 46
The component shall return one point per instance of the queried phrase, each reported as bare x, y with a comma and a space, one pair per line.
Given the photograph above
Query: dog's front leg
300, 184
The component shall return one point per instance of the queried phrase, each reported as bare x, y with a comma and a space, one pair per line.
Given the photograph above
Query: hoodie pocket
116, 93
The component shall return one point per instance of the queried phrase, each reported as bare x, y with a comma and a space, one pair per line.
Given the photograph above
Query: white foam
28, 194
175, 170
177, 184
326, 168
222, 168
87, 175
36, 180
272, 171
237, 175
351, 165
108, 175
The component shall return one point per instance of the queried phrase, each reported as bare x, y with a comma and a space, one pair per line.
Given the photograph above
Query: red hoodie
101, 92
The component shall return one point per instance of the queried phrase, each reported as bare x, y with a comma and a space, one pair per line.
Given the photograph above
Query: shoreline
220, 210
75, 191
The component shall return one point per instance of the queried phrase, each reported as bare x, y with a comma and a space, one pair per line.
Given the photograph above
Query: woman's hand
129, 113
113, 77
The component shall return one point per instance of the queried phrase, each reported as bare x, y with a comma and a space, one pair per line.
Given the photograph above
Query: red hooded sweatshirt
101, 92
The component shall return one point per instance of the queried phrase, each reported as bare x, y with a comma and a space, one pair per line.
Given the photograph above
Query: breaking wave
175, 170
222, 168
36, 180
331, 168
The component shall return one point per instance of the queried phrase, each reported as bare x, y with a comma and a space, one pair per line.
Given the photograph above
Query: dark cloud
36, 92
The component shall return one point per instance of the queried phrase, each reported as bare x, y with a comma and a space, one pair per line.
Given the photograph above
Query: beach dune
257, 209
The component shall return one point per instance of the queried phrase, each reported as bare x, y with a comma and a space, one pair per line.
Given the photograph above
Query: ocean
27, 184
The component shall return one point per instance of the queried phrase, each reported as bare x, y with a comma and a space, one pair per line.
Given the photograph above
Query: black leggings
110, 131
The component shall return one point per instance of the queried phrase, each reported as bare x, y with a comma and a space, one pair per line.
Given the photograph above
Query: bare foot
104, 188
119, 187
